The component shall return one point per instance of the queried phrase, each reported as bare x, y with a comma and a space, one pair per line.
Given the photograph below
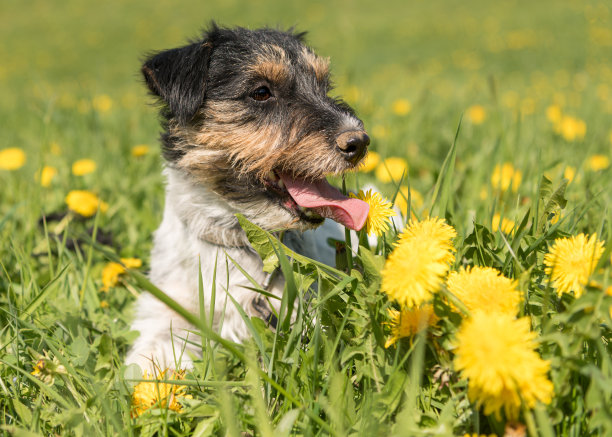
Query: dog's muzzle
353, 145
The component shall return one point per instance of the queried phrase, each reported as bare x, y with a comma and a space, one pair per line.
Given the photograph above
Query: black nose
353, 145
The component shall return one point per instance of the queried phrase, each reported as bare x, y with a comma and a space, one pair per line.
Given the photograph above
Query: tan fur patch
272, 63
222, 145
343, 138
273, 71
273, 52
319, 65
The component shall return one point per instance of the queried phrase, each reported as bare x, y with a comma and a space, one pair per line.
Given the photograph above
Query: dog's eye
261, 94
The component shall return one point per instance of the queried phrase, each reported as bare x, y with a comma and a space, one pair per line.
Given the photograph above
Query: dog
248, 127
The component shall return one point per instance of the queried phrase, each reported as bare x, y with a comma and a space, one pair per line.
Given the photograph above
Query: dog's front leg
166, 339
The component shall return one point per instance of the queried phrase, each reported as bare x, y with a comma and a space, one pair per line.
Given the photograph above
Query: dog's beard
280, 186
283, 201
266, 203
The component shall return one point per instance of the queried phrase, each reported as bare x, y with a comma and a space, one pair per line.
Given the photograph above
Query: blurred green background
439, 54
71, 87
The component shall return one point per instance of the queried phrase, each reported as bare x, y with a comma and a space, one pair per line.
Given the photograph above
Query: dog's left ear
178, 77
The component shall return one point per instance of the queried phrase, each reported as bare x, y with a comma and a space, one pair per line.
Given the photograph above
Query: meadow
491, 127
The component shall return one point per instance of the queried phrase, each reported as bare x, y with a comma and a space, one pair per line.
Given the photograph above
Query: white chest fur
190, 212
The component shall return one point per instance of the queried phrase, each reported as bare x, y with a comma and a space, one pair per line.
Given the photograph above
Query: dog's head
247, 113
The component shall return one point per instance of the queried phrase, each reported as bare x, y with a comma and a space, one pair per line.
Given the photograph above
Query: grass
70, 90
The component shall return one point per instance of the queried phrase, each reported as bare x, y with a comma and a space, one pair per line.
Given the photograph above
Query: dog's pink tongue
327, 201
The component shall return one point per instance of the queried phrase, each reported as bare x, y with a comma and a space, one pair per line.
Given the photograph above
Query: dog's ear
178, 76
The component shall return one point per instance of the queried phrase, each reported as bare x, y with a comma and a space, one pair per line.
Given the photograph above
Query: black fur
218, 67
178, 76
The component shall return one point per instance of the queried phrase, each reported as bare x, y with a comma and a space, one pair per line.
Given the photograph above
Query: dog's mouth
313, 201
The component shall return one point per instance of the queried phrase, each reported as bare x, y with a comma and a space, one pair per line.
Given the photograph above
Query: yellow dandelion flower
38, 367
401, 107
517, 178
153, 393
401, 201
571, 128
598, 162
47, 368
502, 176
102, 103
485, 289
476, 114
419, 262
406, 323
140, 150
104, 304
110, 275
12, 158
370, 162
112, 271
581, 128
555, 217
381, 209
571, 261
553, 113
131, 263
84, 203
496, 354
506, 176
569, 173
391, 170
83, 167
432, 229
484, 193
506, 225
46, 175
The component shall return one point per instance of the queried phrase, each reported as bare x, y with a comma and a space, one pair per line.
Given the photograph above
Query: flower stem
454, 300
347, 237
530, 422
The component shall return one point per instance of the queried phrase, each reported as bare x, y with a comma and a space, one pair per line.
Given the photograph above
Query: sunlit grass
530, 87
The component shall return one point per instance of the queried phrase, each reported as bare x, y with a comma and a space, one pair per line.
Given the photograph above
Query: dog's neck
206, 215
224, 237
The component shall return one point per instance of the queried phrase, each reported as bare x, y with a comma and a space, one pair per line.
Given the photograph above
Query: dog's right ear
178, 76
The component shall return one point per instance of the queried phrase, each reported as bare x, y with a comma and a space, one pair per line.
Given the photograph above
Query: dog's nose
353, 145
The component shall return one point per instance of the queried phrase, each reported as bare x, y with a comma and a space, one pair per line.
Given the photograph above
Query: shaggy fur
238, 108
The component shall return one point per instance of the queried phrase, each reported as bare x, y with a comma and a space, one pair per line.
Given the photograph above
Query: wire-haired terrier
249, 128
